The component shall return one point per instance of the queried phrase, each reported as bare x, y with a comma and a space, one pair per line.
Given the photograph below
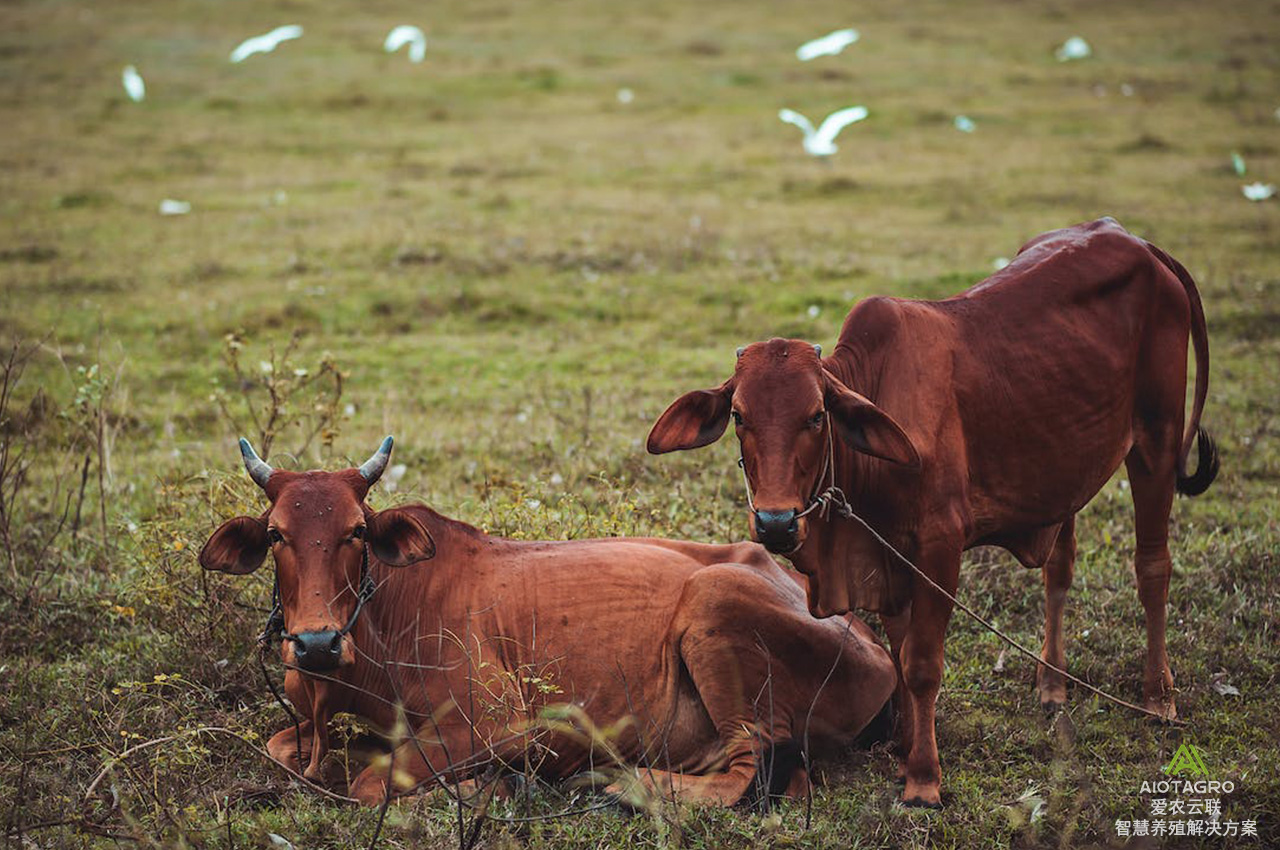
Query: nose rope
822, 500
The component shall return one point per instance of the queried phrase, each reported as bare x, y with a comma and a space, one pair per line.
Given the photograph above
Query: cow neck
455, 541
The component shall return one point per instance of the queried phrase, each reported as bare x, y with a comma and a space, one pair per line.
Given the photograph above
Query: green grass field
514, 272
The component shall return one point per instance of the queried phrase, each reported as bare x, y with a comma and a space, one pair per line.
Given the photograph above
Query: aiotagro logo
1186, 802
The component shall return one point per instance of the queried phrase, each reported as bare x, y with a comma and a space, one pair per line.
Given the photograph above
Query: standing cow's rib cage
991, 417
699, 663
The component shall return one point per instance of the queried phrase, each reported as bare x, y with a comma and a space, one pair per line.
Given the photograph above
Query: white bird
171, 207
133, 85
821, 142
1073, 48
829, 45
1237, 163
265, 43
1258, 191
965, 124
410, 35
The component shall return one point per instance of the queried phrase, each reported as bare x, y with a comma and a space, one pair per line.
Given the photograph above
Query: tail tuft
1206, 467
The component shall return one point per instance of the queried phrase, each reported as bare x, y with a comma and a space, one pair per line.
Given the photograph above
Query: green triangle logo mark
1186, 760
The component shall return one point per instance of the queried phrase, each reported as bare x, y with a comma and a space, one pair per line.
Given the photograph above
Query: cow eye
815, 421
737, 417
357, 533
274, 536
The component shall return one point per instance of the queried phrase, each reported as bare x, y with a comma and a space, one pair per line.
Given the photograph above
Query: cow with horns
991, 417
702, 659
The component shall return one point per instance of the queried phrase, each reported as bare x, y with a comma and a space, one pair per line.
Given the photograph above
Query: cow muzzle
777, 531
317, 652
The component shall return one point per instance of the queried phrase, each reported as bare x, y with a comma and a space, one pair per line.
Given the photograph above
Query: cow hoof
922, 796
919, 802
1167, 712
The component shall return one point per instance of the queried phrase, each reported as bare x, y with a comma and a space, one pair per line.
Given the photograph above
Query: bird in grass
1237, 163
1073, 48
829, 45
1258, 191
965, 124
265, 43
133, 85
822, 141
410, 35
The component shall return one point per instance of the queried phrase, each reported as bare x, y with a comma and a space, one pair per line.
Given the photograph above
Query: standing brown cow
703, 658
989, 418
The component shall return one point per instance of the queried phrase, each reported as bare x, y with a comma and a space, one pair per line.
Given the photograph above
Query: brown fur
1018, 400
704, 657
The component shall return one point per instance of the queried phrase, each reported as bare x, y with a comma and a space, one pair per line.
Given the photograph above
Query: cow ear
398, 538
867, 428
237, 547
692, 421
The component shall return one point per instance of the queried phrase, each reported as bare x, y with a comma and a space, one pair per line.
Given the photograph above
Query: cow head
320, 533
783, 404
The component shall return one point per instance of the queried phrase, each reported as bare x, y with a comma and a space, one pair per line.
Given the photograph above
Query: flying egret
410, 35
265, 43
1258, 191
1073, 48
821, 142
829, 45
133, 85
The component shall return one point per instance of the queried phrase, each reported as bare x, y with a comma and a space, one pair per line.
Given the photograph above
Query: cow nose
776, 529
316, 651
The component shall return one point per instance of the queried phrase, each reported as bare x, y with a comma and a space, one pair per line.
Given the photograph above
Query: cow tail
1207, 457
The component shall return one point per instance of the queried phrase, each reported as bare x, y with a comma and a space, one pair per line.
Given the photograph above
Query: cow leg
744, 731
285, 745
895, 626
431, 757
800, 785
409, 765
1152, 501
747, 692
922, 660
321, 712
1058, 572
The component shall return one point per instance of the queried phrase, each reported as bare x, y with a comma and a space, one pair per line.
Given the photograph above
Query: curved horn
817, 349
372, 468
259, 469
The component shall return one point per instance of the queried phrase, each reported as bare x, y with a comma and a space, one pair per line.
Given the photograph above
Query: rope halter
823, 500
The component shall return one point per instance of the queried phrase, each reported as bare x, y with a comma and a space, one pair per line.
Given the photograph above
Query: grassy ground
515, 272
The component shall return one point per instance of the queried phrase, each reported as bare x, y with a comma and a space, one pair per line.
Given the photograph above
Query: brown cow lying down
989, 418
710, 650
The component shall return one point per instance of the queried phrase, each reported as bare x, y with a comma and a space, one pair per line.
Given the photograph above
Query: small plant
91, 415
280, 396
35, 496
